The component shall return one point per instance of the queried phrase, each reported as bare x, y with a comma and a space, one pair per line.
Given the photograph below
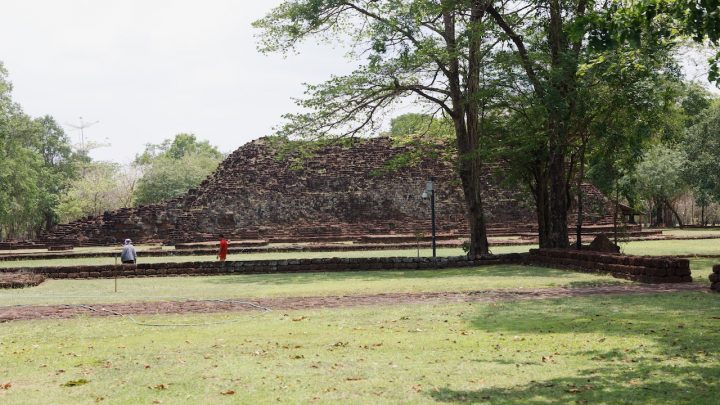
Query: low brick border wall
715, 278
20, 280
265, 266
645, 269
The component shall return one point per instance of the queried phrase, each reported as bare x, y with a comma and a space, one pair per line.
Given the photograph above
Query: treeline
45, 180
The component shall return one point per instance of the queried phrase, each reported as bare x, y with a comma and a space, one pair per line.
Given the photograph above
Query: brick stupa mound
340, 192
602, 243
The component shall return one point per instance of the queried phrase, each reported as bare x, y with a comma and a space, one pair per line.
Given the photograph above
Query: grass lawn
650, 349
692, 232
672, 247
302, 284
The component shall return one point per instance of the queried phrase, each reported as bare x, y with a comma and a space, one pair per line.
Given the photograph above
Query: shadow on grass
499, 271
680, 365
604, 385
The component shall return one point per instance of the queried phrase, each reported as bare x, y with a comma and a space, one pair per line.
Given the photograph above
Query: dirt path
292, 303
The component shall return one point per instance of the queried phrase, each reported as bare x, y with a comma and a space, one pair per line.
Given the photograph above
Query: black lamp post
430, 190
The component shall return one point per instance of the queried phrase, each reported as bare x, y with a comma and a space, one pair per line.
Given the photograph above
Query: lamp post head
429, 186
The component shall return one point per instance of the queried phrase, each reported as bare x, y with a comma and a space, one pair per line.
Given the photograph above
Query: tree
702, 143
414, 125
659, 179
429, 50
103, 186
173, 167
36, 166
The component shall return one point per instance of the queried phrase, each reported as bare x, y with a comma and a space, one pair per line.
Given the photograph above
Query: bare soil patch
296, 303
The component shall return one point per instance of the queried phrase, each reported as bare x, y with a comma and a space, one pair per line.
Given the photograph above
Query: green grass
701, 269
691, 232
673, 247
617, 349
303, 284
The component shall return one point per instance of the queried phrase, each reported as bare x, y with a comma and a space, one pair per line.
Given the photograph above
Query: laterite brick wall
715, 278
645, 269
264, 266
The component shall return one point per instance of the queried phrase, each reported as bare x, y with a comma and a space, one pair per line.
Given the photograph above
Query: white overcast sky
147, 70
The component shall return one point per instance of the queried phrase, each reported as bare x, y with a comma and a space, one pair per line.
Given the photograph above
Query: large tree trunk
581, 176
466, 118
658, 214
542, 208
472, 188
559, 105
674, 212
558, 186
667, 215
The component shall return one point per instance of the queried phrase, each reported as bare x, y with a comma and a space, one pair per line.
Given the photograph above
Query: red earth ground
23, 312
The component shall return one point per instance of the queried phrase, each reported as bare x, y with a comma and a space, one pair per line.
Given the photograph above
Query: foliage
413, 125
173, 167
180, 146
659, 177
37, 165
702, 145
101, 186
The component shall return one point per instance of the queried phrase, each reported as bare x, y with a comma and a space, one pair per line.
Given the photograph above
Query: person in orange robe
222, 253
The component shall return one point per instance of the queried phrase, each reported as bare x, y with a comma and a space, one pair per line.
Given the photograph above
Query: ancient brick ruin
339, 192
645, 269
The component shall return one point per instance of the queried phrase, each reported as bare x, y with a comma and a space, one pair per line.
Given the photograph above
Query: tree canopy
37, 165
173, 167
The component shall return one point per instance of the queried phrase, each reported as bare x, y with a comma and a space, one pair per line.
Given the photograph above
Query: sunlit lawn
673, 247
617, 349
692, 232
302, 284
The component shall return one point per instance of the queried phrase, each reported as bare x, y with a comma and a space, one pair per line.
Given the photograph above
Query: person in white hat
128, 255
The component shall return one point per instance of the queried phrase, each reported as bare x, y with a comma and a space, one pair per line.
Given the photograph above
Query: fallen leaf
228, 392
5, 386
75, 383
159, 387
